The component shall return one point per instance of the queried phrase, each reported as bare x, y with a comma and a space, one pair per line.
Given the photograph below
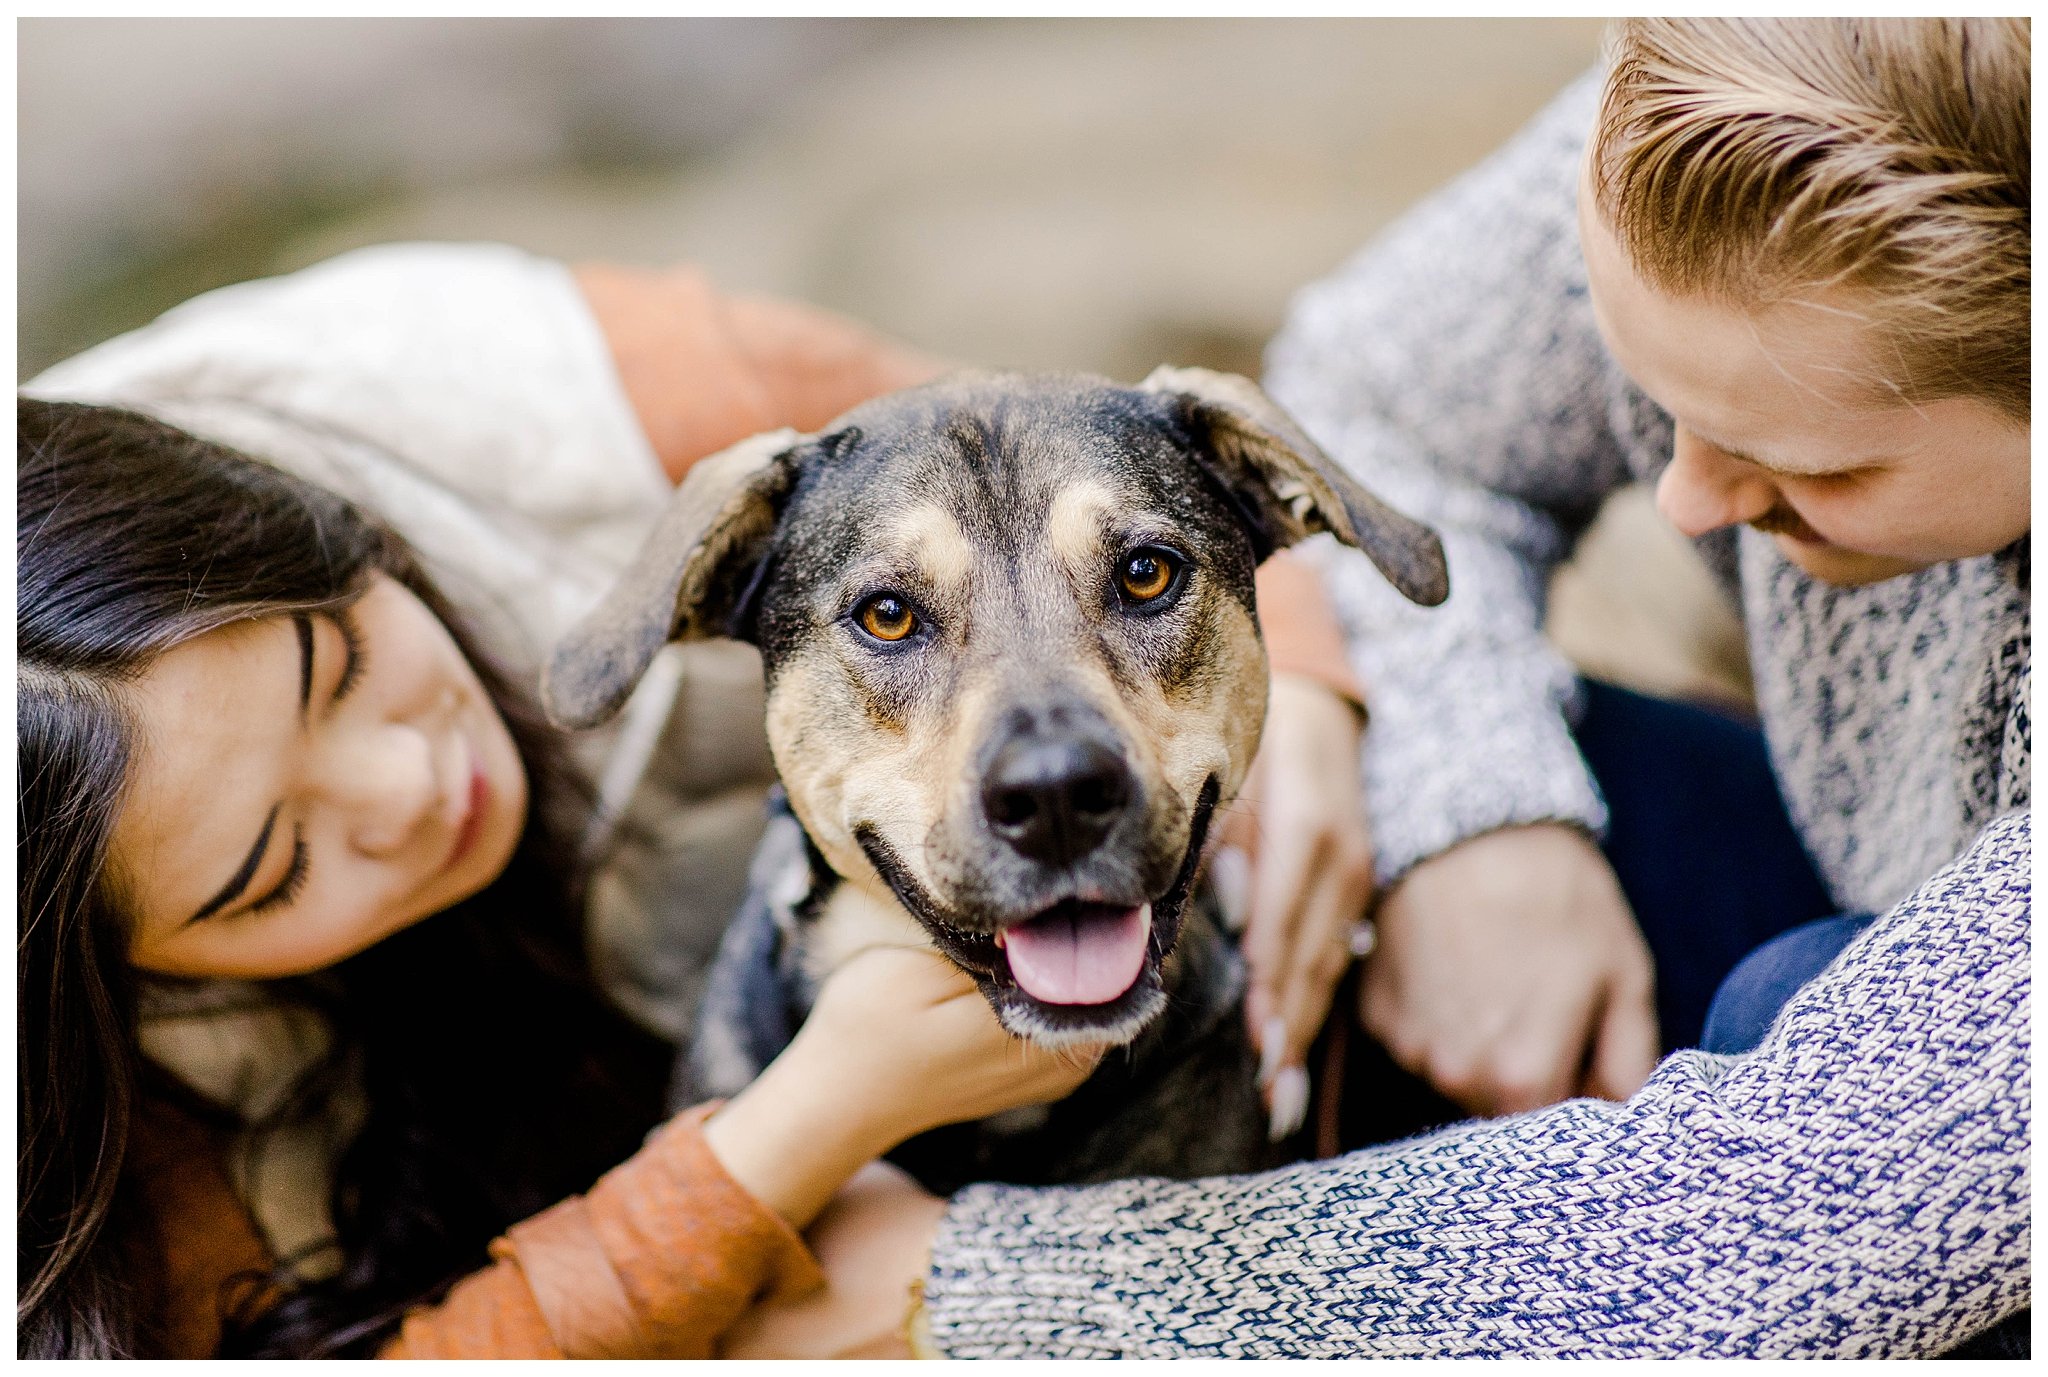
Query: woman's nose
1705, 488
383, 779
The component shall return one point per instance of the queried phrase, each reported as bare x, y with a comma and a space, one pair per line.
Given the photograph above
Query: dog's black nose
1054, 798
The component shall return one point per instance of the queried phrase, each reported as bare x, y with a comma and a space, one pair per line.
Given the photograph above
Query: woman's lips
473, 821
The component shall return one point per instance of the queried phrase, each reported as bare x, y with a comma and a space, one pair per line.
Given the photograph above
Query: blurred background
1097, 194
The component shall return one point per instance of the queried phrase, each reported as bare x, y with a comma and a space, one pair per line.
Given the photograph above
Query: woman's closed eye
354, 657
293, 882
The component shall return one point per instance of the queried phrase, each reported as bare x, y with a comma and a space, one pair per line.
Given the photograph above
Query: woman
310, 977
312, 661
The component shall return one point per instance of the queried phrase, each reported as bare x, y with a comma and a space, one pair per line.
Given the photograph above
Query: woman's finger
1230, 876
1280, 885
1322, 950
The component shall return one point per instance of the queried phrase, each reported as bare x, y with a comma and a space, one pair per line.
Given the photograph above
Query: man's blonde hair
1750, 160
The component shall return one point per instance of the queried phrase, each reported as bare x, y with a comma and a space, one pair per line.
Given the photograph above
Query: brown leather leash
1336, 1048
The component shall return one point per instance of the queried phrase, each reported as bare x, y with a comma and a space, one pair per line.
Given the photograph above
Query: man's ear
694, 579
1288, 489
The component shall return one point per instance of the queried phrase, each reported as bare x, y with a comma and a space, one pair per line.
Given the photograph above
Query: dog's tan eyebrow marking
1074, 523
928, 537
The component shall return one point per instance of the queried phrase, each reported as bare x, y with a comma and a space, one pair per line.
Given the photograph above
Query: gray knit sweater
1858, 1185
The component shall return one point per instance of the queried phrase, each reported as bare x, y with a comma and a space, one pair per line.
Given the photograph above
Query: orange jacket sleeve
1300, 629
703, 369
657, 1261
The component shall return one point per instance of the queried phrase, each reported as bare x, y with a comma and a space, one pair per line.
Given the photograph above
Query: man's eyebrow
1746, 457
304, 626
1783, 472
1734, 452
233, 888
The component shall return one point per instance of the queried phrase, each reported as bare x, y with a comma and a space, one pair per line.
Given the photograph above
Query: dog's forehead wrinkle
1026, 622
989, 452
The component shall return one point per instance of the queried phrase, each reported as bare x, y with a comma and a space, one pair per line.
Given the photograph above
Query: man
1787, 278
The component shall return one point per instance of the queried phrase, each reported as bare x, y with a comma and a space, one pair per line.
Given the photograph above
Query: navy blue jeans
1764, 980
1734, 914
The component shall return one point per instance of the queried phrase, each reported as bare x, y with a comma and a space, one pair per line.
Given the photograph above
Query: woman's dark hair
496, 1077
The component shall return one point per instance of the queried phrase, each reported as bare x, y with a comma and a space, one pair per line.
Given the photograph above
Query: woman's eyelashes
294, 881
354, 657
354, 654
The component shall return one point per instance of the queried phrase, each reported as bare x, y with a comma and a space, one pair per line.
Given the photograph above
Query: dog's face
1012, 665
1012, 660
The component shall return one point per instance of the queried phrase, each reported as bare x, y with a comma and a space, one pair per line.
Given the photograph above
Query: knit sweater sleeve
1856, 1186
1455, 367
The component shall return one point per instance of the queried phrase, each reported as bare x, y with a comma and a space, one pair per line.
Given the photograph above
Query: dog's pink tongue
1079, 954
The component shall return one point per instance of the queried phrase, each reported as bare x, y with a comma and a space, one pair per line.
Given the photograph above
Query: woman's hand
1510, 974
1301, 822
872, 1242
899, 1042
905, 1031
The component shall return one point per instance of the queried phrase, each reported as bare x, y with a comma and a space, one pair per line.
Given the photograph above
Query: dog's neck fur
856, 915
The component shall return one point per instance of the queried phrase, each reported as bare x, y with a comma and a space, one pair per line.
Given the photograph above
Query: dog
1013, 666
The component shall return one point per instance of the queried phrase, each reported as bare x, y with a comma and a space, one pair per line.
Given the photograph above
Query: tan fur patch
1233, 707
809, 740
929, 535
1180, 739
904, 792
841, 771
1073, 524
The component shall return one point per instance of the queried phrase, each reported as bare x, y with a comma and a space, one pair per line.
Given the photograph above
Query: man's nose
383, 779
1705, 488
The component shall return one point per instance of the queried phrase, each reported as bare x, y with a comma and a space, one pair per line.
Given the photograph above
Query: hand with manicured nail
1301, 820
1289, 1103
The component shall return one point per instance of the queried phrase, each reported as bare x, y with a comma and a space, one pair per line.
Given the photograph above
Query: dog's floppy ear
1288, 489
692, 580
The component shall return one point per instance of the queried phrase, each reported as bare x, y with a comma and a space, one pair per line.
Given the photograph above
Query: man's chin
1843, 568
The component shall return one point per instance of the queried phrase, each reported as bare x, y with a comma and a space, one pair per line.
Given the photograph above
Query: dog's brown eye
1145, 574
886, 618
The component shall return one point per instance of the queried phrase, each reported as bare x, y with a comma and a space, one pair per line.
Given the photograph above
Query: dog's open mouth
1076, 953
1077, 971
